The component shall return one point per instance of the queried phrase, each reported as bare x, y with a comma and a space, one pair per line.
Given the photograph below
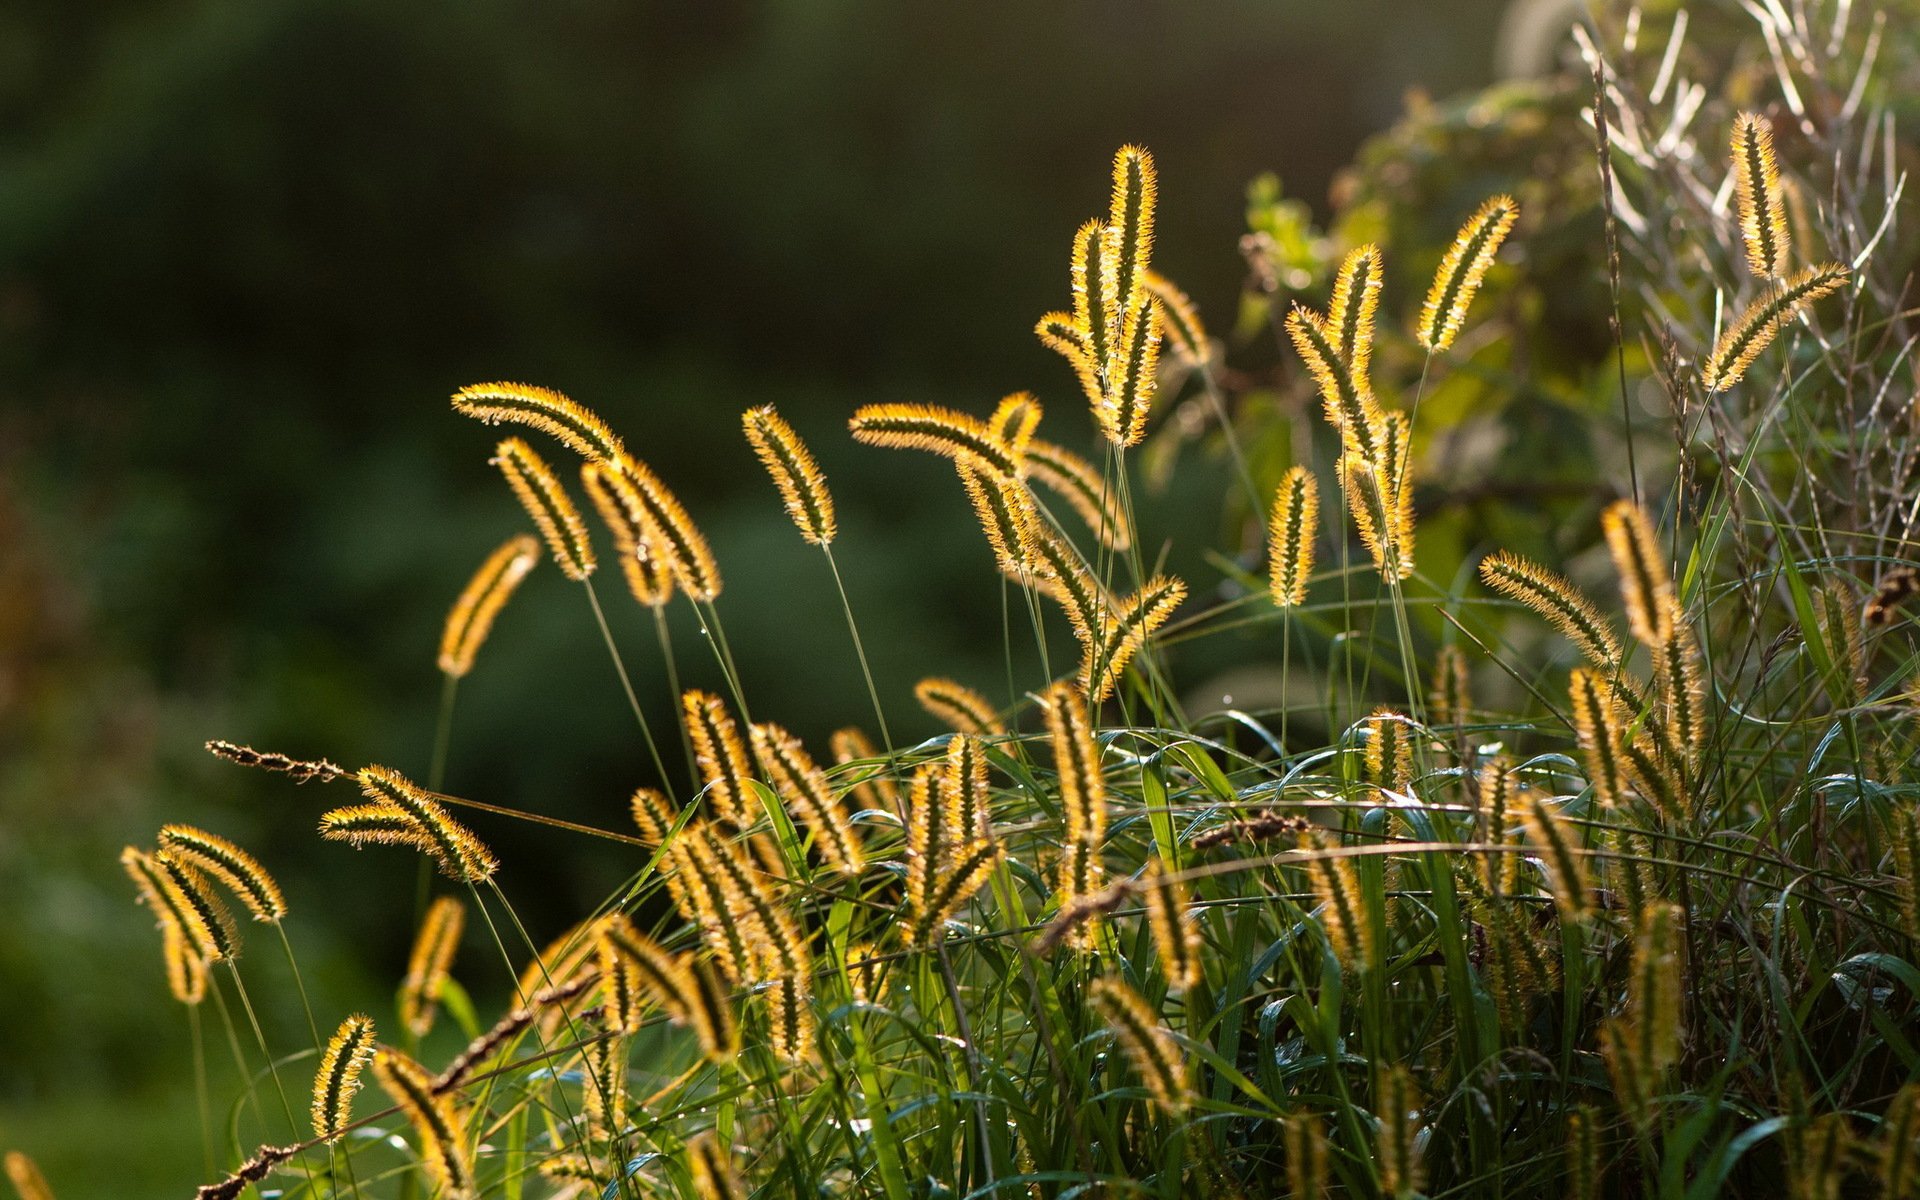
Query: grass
1601, 890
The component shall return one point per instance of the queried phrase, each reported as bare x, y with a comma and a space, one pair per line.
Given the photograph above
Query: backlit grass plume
795, 473
803, 787
429, 962
481, 600
1083, 803
337, 1081
1343, 908
238, 871
710, 1162
623, 511
1349, 401
438, 1126
1123, 631
552, 510
943, 431
671, 532
1461, 272
176, 913
1754, 329
401, 813
543, 409
26, 1178
1763, 207
1644, 582
1175, 936
1290, 533
1397, 1156
1554, 597
1356, 294
959, 707
720, 755
1556, 839
1180, 322
1597, 721
1148, 1045
872, 787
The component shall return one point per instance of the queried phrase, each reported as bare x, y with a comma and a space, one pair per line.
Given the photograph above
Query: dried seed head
1461, 271
302, 771
481, 601
552, 510
795, 473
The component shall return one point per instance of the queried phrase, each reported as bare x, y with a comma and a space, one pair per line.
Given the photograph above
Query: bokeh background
248, 248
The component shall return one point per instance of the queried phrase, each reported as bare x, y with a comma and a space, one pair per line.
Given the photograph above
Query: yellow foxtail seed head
961, 708
1450, 702
337, 1081
1677, 665
720, 756
1499, 870
427, 966
1356, 294
1597, 721
1754, 329
623, 511
1350, 405
942, 431
795, 473
177, 906
1555, 598
240, 872
709, 1010
545, 410
966, 789
1308, 1176
1180, 322
1175, 936
437, 1125
1290, 533
1583, 1153
1461, 271
875, 788
711, 1164
1014, 420
481, 601
421, 821
1128, 247
1061, 333
1397, 1136
1653, 989
26, 1177
802, 786
1763, 209
1076, 758
1091, 496
1554, 838
1146, 1042
1645, 585
1124, 631
552, 510
1132, 377
1342, 903
186, 970
671, 533
1004, 508
1389, 750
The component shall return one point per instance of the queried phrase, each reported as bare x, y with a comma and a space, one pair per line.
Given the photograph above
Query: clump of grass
1629, 916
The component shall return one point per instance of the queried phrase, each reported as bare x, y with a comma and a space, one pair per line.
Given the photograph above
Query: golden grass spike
481, 601
1653, 989
623, 511
1175, 937
1179, 322
461, 855
1372, 512
1519, 962
1397, 1136
1124, 634
961, 708
779, 943
185, 886
1076, 759
966, 789
1290, 533
1389, 750
1148, 1044
363, 825
732, 935
671, 533
1839, 619
803, 787
1899, 1149
1092, 315
1003, 507
1393, 482
942, 431
1349, 403
866, 973
714, 1177
876, 788
437, 1124
720, 756
427, 966
1059, 332
1555, 838
543, 409
1450, 701
653, 815
302, 771
932, 852
337, 1081
791, 1027
1763, 210
1342, 903
1308, 1176
652, 973
1356, 294
709, 1011
186, 972
1555, 598
795, 472
1583, 1154
1128, 246
1068, 475
1645, 585
1654, 774
1014, 420
1461, 271
1677, 665
1905, 835
1132, 378
1755, 328
240, 872
26, 1178
1064, 579
604, 1066
552, 510
1597, 721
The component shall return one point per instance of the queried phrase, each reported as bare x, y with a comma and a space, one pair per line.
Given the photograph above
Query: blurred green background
248, 248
